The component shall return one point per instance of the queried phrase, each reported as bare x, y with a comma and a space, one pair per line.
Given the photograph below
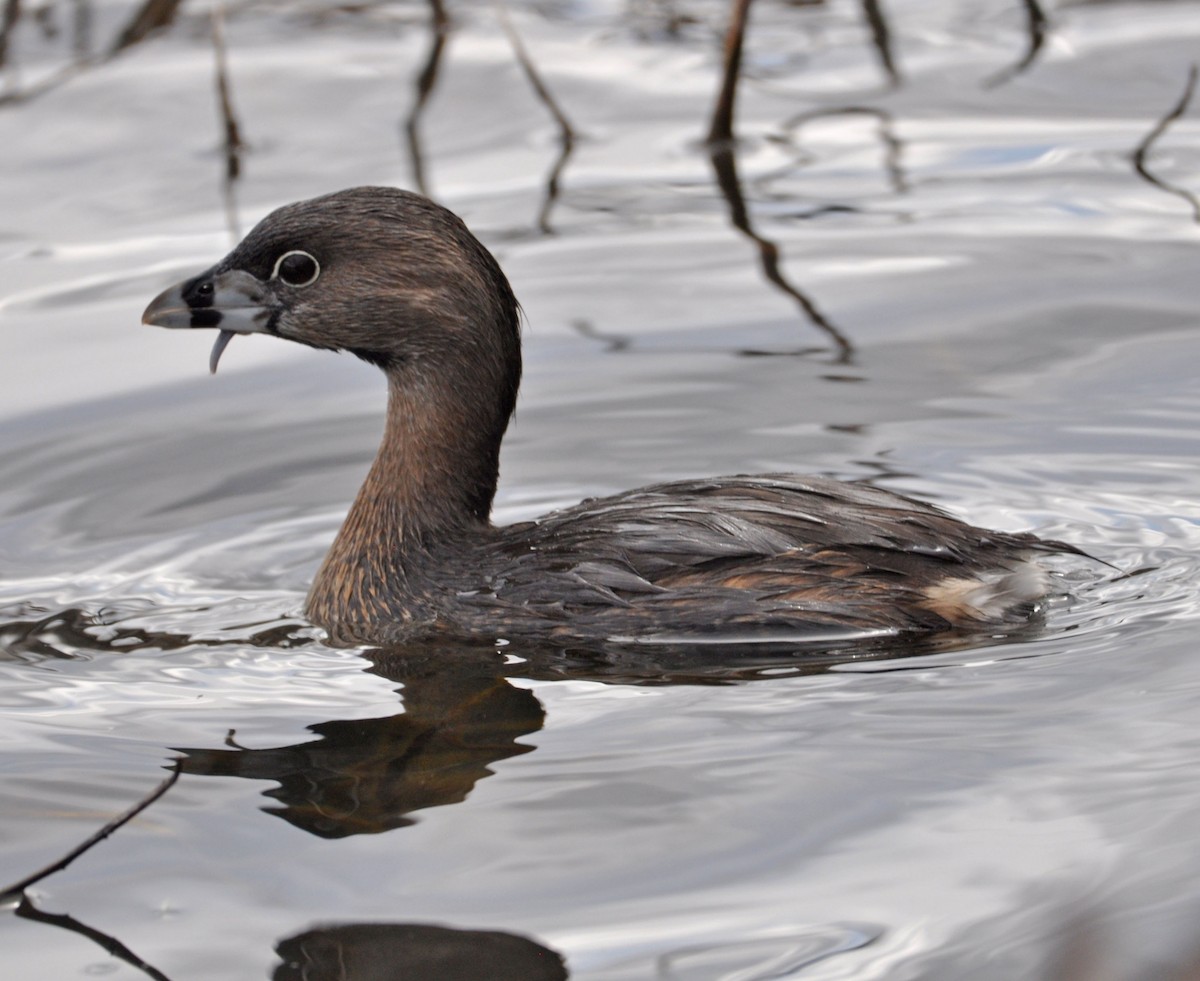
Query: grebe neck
432, 480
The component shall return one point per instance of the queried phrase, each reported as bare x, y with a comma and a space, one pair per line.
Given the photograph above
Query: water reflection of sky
1021, 313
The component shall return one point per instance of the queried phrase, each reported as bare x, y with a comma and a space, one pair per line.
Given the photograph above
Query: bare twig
111, 944
725, 165
229, 123
439, 28
81, 29
233, 145
893, 146
720, 129
721, 152
48, 83
8, 21
566, 134
612, 342
151, 16
1143, 149
1037, 24
18, 888
881, 38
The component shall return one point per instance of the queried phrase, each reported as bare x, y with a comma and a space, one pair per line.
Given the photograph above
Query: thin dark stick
112, 946
439, 26
1036, 26
720, 129
881, 38
81, 26
12, 13
893, 146
18, 888
229, 123
725, 166
612, 342
566, 134
1143, 149
151, 16
233, 144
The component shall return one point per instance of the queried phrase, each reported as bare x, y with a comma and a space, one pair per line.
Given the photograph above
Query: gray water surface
1021, 310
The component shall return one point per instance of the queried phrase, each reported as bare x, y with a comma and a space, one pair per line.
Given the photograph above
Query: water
1021, 309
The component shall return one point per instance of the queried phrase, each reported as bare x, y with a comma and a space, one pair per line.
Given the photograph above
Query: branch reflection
9, 17
881, 39
27, 911
725, 166
439, 32
721, 144
1036, 25
1143, 149
566, 133
232, 144
893, 146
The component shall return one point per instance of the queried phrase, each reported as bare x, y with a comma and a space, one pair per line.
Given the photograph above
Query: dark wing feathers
804, 551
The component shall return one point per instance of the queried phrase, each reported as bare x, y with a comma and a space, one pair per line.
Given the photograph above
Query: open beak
234, 302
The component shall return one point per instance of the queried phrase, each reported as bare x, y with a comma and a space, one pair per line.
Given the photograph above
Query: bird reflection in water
366, 775
462, 714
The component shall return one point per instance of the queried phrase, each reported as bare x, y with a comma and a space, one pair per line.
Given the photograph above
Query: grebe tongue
218, 348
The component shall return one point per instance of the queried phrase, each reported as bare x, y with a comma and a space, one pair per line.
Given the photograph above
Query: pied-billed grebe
400, 281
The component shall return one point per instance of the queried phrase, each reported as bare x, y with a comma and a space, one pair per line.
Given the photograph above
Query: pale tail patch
987, 596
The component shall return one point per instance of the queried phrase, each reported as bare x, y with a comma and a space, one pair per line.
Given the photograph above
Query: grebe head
383, 273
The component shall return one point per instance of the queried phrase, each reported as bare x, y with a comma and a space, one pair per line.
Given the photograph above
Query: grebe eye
296, 268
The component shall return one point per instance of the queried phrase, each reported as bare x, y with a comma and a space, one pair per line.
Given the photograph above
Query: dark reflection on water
566, 132
1017, 299
1142, 152
111, 945
29, 632
881, 38
426, 79
1038, 25
893, 146
721, 145
395, 951
405, 951
461, 714
440, 29
724, 164
364, 776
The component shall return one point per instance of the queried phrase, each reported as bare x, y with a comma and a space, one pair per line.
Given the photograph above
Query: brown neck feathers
433, 479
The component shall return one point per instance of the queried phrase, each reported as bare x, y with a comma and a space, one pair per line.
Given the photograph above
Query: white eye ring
275, 273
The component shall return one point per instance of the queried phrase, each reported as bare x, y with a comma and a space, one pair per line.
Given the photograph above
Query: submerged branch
111, 944
566, 133
893, 146
725, 166
8, 22
1143, 149
18, 888
720, 129
881, 38
151, 16
232, 142
81, 28
612, 342
1036, 25
439, 28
